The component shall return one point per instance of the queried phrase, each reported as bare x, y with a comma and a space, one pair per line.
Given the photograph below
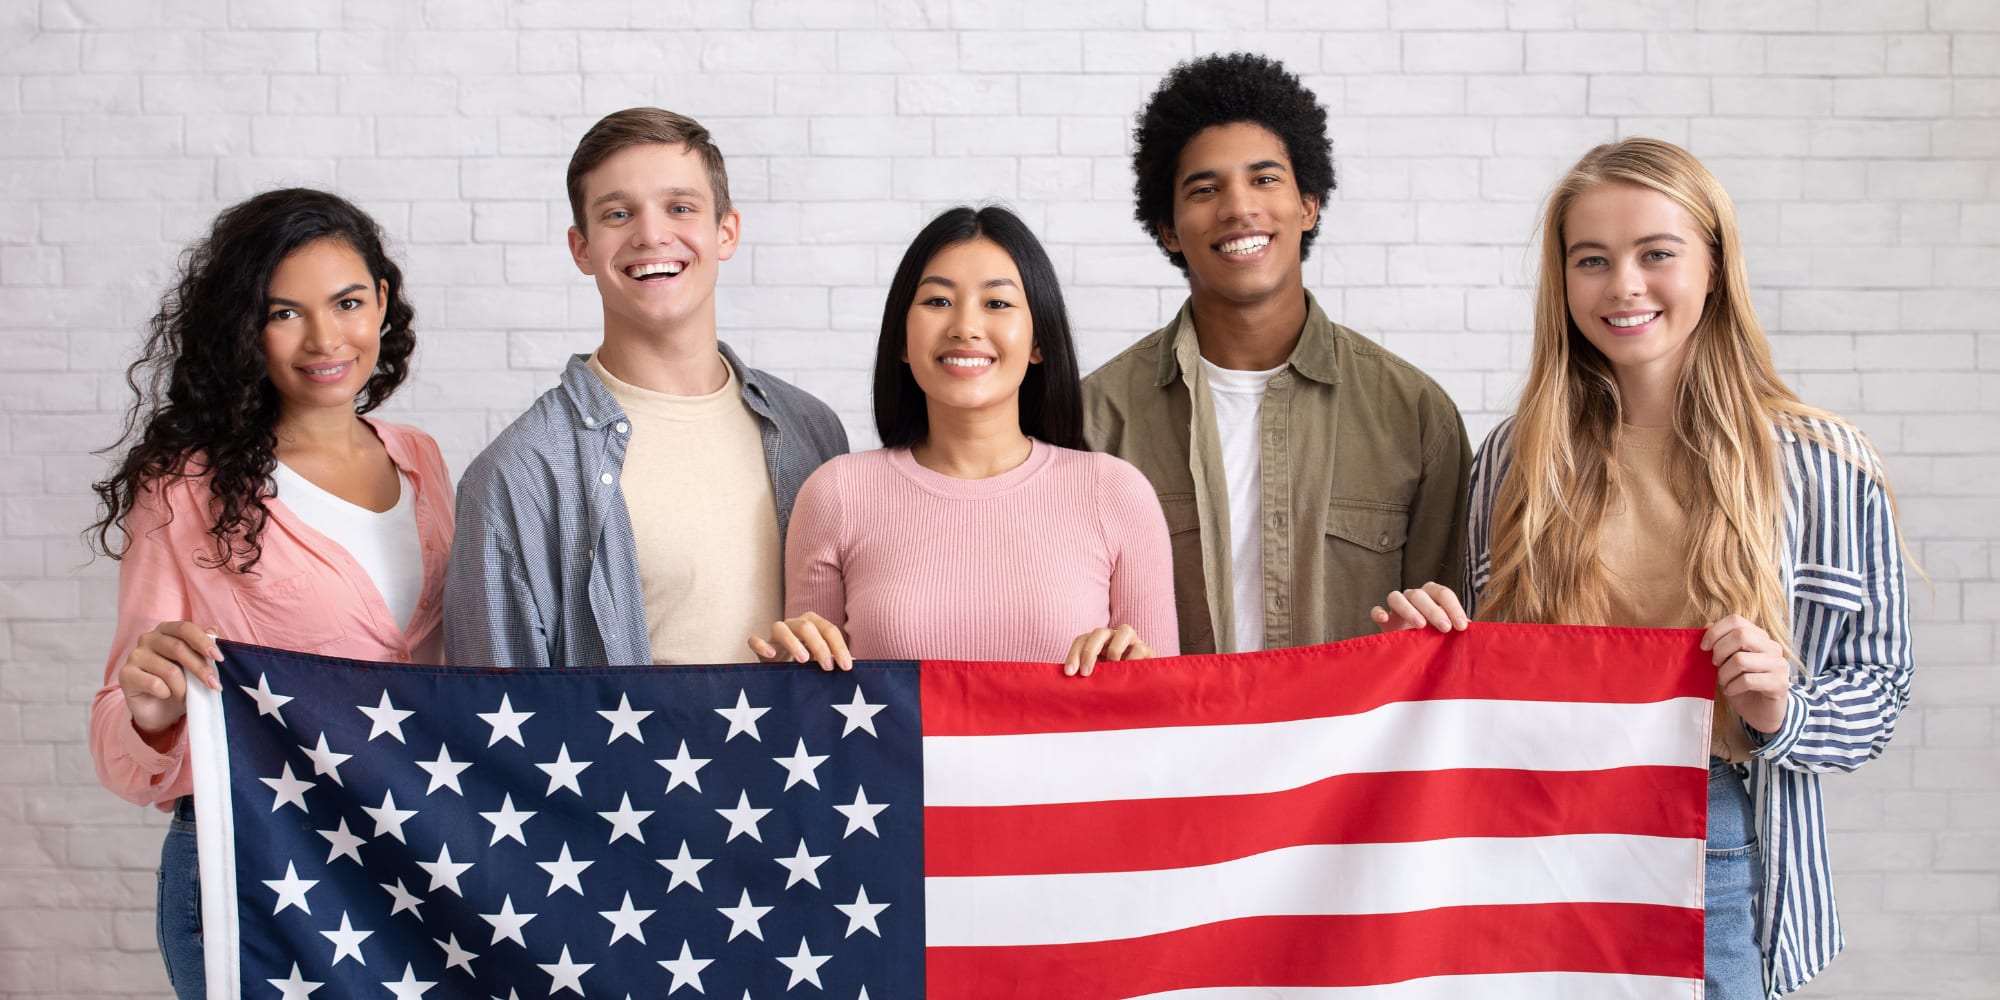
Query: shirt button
590, 421
1384, 541
402, 657
606, 479
623, 427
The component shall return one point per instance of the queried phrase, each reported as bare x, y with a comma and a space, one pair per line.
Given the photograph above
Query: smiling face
322, 326
1239, 215
969, 338
1637, 277
652, 238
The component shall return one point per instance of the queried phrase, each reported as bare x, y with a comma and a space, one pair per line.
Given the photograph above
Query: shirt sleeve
152, 588
1142, 569
1842, 715
815, 579
491, 616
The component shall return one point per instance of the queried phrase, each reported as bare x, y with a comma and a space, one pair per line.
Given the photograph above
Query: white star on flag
804, 965
682, 769
455, 955
347, 941
295, 988
325, 761
290, 790
742, 718
409, 987
385, 718
803, 866
686, 870
743, 818
291, 890
567, 975
344, 844
625, 921
444, 872
686, 970
861, 815
403, 899
506, 722
745, 917
507, 924
800, 766
624, 721
625, 820
563, 772
389, 819
507, 822
444, 771
861, 913
563, 872
267, 702
859, 714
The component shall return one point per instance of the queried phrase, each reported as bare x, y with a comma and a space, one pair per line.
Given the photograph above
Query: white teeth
671, 267
1630, 321
967, 362
336, 369
1247, 244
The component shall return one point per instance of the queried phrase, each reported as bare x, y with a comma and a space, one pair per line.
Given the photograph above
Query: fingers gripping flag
1514, 811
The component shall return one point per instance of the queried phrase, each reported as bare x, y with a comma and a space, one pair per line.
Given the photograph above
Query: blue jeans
1735, 871
177, 915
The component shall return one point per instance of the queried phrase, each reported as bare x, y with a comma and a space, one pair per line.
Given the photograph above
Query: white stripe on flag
1172, 762
208, 759
1513, 986
1316, 879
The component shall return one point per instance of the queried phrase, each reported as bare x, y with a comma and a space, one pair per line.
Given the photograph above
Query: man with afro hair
1305, 472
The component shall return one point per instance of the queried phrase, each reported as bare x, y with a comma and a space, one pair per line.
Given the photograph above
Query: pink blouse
305, 593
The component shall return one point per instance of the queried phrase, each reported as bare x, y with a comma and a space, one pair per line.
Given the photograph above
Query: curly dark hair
205, 405
1051, 393
1223, 90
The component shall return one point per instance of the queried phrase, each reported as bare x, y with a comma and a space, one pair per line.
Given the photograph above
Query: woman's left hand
1107, 644
1751, 671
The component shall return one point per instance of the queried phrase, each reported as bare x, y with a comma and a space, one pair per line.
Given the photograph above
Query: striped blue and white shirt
1843, 565
544, 566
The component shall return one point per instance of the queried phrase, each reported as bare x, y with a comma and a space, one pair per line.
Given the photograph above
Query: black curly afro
1223, 90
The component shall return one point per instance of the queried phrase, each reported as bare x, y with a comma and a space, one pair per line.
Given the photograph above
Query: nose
1238, 202
1626, 281
321, 336
968, 322
650, 229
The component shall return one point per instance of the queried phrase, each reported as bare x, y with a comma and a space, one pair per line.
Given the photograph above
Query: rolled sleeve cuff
161, 767
1777, 745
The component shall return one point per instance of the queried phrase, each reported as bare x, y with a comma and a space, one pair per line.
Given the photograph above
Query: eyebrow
1209, 175
678, 192
1641, 241
335, 297
937, 279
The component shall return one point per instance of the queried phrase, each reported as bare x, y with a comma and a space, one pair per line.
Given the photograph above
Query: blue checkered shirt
544, 569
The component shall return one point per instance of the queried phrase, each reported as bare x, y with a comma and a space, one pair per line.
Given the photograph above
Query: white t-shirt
384, 543
1238, 399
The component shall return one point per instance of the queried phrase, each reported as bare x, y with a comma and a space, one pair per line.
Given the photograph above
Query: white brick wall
1861, 137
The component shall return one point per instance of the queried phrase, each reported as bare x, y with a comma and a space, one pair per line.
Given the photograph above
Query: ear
381, 301
1310, 204
1035, 355
727, 231
579, 249
1168, 237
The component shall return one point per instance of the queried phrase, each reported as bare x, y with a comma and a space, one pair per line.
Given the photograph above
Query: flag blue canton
718, 831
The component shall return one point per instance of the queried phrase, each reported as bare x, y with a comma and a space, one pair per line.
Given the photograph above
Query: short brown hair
632, 127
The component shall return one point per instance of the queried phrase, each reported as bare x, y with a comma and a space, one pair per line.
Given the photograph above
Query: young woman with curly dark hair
254, 501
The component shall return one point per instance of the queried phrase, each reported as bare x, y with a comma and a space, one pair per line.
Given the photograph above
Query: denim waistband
184, 808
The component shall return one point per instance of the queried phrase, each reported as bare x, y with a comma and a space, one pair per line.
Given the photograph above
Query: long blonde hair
1725, 463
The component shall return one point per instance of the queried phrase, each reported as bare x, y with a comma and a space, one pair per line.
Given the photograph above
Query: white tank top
384, 543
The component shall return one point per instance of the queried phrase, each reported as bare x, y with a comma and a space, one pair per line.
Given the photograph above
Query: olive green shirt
1365, 464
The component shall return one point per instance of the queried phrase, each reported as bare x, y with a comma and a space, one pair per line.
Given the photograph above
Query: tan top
1363, 478
1643, 546
703, 520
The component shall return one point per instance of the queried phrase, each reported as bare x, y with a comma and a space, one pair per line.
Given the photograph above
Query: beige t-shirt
1643, 545
704, 520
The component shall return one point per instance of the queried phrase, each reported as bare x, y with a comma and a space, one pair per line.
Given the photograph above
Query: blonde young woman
1658, 473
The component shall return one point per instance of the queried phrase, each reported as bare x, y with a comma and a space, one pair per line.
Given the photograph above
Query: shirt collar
595, 407
1316, 356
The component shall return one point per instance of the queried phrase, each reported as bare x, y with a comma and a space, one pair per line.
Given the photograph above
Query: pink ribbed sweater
913, 564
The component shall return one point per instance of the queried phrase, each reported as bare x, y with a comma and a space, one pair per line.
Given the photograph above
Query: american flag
1513, 811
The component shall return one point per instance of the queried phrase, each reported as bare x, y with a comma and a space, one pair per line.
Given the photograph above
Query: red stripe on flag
1488, 661
1619, 938
1394, 807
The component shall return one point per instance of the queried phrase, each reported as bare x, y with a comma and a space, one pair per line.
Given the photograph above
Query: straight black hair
1051, 393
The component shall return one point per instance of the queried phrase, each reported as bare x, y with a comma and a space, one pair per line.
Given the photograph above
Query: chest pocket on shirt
288, 614
1823, 599
1364, 547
